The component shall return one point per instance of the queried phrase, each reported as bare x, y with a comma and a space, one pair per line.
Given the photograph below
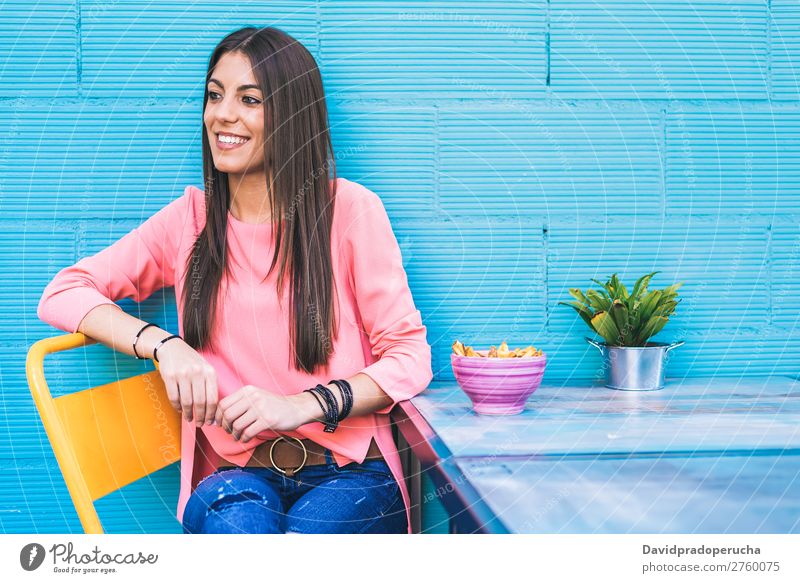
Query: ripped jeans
322, 498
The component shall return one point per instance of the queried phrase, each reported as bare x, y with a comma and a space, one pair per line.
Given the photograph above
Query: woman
298, 332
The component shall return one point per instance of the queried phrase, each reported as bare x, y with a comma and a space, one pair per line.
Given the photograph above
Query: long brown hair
298, 155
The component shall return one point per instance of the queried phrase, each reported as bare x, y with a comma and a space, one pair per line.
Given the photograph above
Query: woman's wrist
149, 339
308, 407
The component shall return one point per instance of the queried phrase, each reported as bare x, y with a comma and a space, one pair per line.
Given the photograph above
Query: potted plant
626, 321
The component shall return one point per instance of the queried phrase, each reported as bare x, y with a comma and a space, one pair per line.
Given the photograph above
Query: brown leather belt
289, 455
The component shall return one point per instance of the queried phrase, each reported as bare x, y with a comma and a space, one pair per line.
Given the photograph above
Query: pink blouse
380, 330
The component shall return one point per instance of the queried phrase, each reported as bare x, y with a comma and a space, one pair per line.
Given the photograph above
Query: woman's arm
110, 325
386, 307
81, 298
135, 266
251, 410
368, 397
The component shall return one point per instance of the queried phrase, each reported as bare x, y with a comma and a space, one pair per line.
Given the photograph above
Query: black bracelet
323, 402
155, 350
135, 340
332, 413
347, 396
333, 407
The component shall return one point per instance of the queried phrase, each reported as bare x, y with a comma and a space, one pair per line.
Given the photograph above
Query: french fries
495, 352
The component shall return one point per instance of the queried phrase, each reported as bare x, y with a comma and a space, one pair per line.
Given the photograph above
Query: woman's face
234, 116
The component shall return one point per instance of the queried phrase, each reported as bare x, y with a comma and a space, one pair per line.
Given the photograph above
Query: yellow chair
105, 437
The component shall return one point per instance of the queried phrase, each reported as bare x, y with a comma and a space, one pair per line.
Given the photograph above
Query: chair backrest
104, 437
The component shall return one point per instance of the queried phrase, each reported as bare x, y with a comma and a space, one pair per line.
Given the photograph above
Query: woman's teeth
232, 140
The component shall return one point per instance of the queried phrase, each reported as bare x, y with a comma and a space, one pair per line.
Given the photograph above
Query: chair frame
59, 435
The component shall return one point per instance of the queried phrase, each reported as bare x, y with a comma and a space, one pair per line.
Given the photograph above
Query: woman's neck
249, 198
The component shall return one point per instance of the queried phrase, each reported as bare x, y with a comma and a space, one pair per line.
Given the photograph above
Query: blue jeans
322, 498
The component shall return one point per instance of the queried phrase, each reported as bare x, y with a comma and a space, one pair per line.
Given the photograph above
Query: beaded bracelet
333, 407
155, 350
135, 340
324, 404
332, 411
347, 396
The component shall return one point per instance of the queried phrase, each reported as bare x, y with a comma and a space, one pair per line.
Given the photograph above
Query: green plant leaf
634, 313
620, 314
666, 308
598, 302
649, 305
603, 323
641, 285
617, 289
651, 328
672, 289
623, 291
578, 295
604, 289
613, 286
582, 310
630, 303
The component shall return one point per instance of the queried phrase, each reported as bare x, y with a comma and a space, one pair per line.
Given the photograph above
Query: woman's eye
214, 96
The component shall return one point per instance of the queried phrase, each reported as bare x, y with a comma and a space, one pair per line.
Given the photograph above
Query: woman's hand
251, 410
191, 382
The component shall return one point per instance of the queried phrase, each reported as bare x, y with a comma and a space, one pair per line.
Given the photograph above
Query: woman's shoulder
194, 197
194, 201
356, 198
172, 216
360, 218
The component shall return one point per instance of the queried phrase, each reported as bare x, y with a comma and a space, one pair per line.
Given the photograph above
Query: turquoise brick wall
520, 148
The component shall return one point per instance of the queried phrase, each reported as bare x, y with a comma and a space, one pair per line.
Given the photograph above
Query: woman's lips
229, 145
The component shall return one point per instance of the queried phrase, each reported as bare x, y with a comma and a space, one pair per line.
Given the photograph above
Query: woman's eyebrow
241, 87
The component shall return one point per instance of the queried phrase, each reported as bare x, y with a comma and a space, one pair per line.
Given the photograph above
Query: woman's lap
236, 502
350, 502
357, 498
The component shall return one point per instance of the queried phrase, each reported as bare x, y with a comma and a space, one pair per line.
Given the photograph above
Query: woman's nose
226, 110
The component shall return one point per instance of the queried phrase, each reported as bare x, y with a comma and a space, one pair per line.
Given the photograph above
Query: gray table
701, 455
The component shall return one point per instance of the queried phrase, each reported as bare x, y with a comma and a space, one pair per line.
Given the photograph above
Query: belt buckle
288, 472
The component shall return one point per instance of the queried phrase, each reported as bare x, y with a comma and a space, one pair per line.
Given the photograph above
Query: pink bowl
498, 386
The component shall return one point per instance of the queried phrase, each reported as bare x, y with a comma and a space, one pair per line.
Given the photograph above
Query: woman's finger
253, 430
211, 396
185, 390
173, 394
232, 413
242, 423
230, 399
199, 398
218, 416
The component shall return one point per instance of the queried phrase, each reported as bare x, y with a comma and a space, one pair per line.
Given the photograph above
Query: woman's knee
220, 485
233, 501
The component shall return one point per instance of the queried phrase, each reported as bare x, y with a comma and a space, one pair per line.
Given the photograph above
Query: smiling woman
266, 135
265, 108
234, 119
298, 332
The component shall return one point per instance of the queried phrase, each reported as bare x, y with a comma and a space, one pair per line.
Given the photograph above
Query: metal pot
634, 368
